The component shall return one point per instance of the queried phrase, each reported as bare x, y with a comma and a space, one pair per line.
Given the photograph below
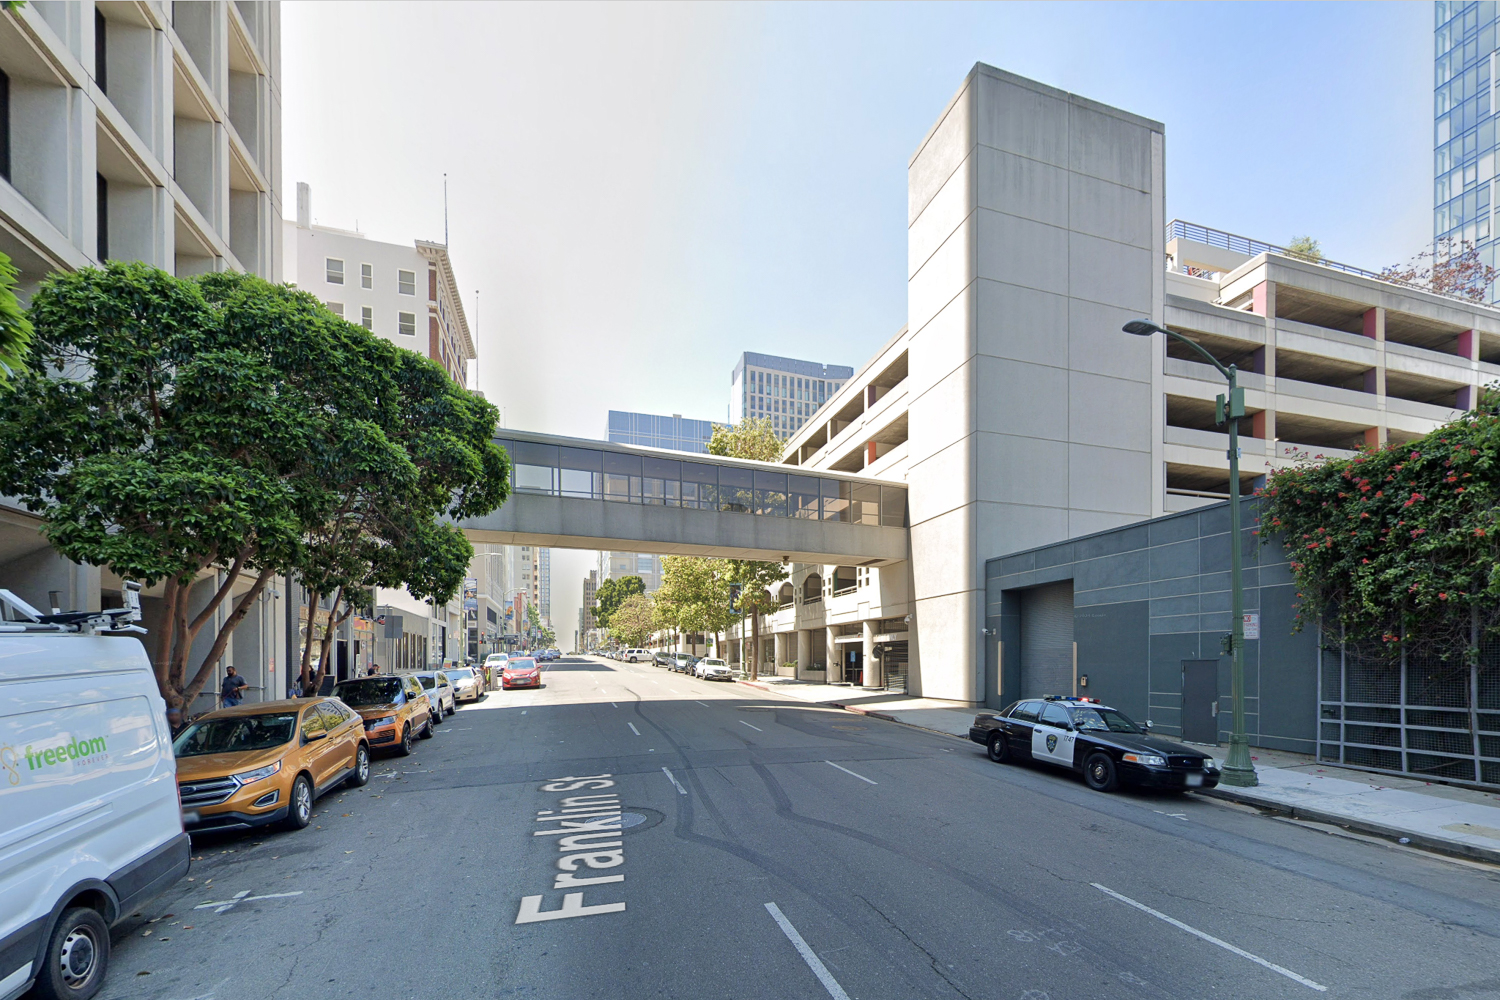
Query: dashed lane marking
808, 955
756, 728
675, 783
633, 729
705, 704
1211, 939
861, 777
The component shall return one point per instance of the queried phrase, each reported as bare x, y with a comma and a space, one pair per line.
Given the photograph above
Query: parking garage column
835, 657
780, 647
1263, 302
1374, 328
1468, 349
804, 652
873, 674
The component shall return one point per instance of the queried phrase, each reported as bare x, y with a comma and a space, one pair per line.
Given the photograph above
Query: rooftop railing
1177, 229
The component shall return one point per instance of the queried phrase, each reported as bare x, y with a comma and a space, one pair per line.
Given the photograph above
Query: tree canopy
752, 438
611, 594
634, 620
695, 595
15, 328
176, 427
1400, 544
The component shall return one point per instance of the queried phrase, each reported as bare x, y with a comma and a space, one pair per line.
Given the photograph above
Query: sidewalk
1444, 818
939, 716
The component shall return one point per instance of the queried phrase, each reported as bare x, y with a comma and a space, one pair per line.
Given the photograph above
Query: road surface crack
937, 966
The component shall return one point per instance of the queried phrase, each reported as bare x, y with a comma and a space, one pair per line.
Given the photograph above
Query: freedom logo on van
84, 750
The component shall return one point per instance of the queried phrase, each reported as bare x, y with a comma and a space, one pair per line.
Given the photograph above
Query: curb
883, 716
1437, 845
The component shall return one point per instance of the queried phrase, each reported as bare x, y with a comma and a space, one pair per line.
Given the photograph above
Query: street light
1230, 408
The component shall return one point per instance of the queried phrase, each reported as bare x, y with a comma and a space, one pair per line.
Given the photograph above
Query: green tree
634, 620
15, 328
612, 593
752, 438
545, 637
166, 435
1305, 248
695, 595
1399, 544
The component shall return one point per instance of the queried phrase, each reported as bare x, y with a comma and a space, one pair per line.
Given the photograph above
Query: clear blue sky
641, 192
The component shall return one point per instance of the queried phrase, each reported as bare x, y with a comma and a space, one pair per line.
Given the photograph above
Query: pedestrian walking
229, 691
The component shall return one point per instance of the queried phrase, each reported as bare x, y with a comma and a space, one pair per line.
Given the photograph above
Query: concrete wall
1035, 231
1150, 595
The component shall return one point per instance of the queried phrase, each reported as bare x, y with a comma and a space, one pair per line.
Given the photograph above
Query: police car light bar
1070, 697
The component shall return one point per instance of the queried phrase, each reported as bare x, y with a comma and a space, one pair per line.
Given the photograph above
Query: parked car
554, 653
1099, 742
467, 684
439, 691
637, 655
713, 669
396, 711
88, 796
662, 658
257, 765
496, 661
521, 672
684, 662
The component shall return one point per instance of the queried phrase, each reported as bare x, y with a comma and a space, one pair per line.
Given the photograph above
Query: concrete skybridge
582, 494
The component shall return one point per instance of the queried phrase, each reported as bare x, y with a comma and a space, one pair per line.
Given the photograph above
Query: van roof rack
16, 615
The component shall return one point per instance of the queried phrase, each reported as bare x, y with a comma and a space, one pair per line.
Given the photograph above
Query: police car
1096, 740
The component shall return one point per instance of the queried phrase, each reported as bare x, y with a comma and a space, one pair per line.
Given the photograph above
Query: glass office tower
652, 430
1464, 130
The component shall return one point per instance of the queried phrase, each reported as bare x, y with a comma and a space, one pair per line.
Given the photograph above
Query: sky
638, 193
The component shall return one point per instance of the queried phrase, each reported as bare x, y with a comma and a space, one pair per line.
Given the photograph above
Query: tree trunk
303, 674
334, 621
755, 645
165, 641
221, 641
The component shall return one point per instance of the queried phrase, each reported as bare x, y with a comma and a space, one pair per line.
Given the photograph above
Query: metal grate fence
1420, 713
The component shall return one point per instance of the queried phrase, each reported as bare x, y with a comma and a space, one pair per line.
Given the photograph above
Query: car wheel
76, 957
437, 717
299, 808
407, 744
427, 730
452, 707
361, 775
1099, 772
999, 750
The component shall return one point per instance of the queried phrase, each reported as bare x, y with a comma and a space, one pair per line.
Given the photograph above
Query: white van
90, 825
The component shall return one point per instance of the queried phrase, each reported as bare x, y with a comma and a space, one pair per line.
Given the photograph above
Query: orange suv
396, 710
254, 765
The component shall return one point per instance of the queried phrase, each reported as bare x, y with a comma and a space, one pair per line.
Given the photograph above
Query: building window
102, 217
406, 324
337, 308
367, 317
406, 282
333, 271
4, 125
367, 276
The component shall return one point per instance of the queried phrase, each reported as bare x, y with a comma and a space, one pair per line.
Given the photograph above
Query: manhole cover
627, 820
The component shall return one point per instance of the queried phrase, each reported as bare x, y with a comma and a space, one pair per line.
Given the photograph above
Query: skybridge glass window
700, 486
535, 465
581, 473
736, 490
802, 496
622, 477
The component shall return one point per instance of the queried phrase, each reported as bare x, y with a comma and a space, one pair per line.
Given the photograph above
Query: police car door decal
1052, 743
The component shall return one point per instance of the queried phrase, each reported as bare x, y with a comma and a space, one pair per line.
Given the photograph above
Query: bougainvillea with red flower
1398, 543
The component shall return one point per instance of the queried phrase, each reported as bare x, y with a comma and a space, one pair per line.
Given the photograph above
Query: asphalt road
777, 850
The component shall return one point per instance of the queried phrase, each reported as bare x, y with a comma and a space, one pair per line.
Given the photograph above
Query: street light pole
1238, 770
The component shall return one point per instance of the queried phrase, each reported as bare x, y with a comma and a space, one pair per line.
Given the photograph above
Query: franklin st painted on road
584, 826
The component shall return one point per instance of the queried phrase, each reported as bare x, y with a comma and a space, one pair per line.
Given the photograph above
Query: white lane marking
613, 705
705, 704
861, 777
674, 781
633, 729
674, 690
523, 711
756, 728
1211, 939
219, 906
808, 955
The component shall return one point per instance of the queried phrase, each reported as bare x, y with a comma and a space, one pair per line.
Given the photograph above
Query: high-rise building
615, 565
1464, 141
405, 294
785, 390
544, 585
651, 430
140, 133
586, 621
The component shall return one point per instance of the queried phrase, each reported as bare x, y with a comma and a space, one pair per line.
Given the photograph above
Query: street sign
1252, 625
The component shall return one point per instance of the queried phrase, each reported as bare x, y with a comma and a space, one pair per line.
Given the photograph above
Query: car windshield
368, 691
460, 674
714, 663
521, 663
428, 681
234, 734
1103, 718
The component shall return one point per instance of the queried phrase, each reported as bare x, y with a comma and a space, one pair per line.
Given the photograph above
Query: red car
521, 672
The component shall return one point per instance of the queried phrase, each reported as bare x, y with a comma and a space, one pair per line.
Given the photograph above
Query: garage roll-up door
1047, 640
